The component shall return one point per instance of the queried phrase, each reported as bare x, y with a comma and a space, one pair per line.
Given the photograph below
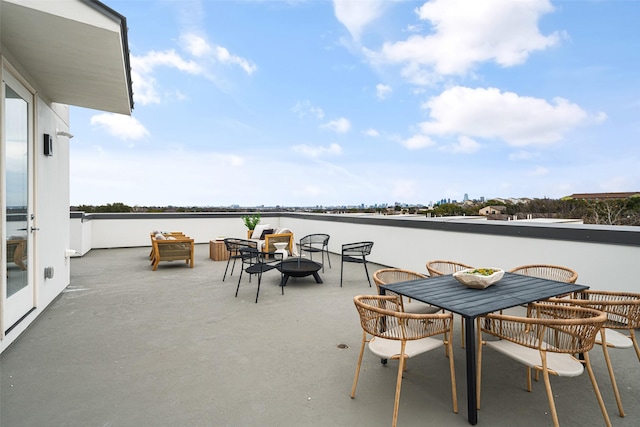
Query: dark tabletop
512, 290
299, 265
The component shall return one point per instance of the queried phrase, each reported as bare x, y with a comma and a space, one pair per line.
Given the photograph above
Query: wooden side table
218, 250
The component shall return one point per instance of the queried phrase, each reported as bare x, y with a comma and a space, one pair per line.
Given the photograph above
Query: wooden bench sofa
171, 247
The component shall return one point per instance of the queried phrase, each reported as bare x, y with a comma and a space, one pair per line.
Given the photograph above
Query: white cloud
168, 58
318, 151
120, 126
490, 113
355, 15
223, 55
418, 141
465, 145
199, 47
539, 171
143, 68
304, 108
195, 45
142, 73
144, 88
464, 34
372, 133
340, 125
382, 90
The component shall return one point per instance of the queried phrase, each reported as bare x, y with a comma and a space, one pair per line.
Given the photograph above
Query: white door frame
20, 303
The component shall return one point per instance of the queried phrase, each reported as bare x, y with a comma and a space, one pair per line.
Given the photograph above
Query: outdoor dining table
449, 294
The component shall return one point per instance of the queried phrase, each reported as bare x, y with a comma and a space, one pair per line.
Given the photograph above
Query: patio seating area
127, 346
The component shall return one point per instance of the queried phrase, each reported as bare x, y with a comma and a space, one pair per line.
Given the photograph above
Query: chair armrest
270, 239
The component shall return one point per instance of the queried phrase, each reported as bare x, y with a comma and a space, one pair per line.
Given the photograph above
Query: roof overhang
76, 51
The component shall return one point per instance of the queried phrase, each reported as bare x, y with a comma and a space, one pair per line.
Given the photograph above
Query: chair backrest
248, 255
557, 328
380, 316
315, 239
357, 249
442, 267
394, 275
622, 308
233, 245
547, 271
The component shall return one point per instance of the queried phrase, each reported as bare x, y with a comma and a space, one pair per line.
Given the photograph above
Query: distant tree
109, 207
610, 212
452, 209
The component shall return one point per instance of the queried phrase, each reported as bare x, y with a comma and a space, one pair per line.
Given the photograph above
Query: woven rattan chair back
394, 275
386, 276
547, 271
441, 267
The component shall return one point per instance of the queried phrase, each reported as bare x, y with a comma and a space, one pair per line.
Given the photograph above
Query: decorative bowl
479, 278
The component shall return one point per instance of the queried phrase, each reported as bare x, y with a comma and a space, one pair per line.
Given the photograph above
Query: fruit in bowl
479, 278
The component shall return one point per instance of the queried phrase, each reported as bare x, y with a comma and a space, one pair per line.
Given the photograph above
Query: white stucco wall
599, 265
51, 203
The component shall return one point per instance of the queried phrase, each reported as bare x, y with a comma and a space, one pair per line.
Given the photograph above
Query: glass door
19, 294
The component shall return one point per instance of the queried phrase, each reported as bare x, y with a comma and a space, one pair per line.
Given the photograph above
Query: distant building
492, 210
604, 196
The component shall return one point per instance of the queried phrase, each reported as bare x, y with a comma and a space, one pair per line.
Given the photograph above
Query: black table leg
317, 277
470, 347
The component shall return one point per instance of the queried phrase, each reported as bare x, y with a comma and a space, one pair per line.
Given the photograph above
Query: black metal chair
233, 247
314, 243
257, 262
356, 252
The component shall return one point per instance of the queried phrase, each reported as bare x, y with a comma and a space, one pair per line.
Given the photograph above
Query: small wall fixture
71, 252
64, 133
48, 145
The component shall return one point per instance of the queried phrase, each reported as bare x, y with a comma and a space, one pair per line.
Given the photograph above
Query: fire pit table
299, 267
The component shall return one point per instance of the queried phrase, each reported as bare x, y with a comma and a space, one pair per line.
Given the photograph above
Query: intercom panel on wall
48, 145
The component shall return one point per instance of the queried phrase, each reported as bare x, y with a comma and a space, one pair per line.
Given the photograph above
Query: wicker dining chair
546, 341
623, 313
440, 267
398, 335
395, 275
547, 271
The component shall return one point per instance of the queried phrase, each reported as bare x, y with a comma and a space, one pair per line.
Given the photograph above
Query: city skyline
311, 103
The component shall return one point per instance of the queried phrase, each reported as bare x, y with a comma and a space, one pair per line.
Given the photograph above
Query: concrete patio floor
127, 346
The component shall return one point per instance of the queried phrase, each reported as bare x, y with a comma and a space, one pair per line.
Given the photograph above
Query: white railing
604, 256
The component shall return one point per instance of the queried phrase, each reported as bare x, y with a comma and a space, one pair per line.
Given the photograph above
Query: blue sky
305, 103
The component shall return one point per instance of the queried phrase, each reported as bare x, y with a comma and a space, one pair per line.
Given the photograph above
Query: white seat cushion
417, 307
387, 349
564, 365
615, 339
